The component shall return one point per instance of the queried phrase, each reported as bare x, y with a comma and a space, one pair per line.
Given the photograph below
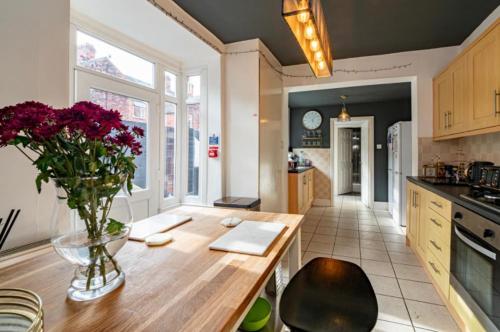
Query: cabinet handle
495, 97
436, 223
437, 204
435, 245
416, 199
446, 120
434, 267
449, 120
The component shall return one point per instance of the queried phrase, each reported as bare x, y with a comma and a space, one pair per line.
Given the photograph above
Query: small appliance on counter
473, 170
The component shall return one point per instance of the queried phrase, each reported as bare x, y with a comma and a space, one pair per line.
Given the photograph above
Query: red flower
138, 131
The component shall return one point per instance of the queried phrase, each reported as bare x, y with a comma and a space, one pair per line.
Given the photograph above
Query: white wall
241, 135
271, 169
35, 53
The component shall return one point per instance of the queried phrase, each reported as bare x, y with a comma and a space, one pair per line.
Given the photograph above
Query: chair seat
329, 295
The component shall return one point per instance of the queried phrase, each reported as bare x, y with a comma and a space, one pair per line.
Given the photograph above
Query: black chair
329, 295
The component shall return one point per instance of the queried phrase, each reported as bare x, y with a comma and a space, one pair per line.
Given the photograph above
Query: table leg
294, 256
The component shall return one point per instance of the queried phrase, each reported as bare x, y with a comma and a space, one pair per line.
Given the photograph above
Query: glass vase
91, 223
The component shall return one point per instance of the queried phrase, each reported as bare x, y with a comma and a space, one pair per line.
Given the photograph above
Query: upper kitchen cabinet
483, 62
466, 94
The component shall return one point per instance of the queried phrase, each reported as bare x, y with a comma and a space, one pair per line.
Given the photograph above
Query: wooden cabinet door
421, 223
410, 214
443, 103
311, 186
457, 118
300, 193
483, 64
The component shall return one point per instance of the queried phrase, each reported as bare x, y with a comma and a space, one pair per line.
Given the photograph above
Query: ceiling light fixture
305, 19
344, 116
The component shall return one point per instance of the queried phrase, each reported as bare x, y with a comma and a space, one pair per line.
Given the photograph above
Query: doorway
352, 164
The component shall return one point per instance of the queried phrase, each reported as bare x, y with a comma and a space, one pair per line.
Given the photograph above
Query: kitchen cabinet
300, 191
483, 62
466, 94
429, 233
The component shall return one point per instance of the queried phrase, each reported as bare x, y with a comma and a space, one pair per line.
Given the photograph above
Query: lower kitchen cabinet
300, 191
428, 233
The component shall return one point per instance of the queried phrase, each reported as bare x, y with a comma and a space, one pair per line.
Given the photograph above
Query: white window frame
165, 203
200, 199
162, 63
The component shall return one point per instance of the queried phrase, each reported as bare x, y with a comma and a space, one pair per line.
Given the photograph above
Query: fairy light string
264, 56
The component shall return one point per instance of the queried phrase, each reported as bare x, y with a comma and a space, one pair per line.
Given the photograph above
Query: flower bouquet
88, 153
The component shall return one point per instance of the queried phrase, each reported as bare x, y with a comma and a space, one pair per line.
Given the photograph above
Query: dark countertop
452, 193
301, 169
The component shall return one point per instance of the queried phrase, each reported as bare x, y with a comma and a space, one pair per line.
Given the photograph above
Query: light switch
379, 146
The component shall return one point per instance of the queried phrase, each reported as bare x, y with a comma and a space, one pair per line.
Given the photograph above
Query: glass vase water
80, 235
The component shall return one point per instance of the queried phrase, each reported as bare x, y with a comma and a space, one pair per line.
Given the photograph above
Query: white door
139, 107
345, 161
365, 167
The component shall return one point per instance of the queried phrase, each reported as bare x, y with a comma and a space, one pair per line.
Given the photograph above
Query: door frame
366, 123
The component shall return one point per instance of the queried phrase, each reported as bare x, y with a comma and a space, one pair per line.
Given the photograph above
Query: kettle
473, 171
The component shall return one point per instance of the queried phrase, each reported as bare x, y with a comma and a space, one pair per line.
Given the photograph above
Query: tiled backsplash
321, 160
481, 147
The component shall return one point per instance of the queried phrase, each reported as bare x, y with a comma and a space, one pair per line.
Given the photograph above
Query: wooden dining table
181, 286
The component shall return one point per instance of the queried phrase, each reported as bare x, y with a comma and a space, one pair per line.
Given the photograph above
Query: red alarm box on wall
213, 152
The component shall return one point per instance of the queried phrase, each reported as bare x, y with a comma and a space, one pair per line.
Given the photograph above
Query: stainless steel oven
475, 268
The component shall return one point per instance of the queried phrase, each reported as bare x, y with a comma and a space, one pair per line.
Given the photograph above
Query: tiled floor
350, 231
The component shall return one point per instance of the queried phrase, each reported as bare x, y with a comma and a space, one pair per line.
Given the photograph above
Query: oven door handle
474, 245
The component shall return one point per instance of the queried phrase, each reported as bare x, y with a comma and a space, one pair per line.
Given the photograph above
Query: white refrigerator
399, 167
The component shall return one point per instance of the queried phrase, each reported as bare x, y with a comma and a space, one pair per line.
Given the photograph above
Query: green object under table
258, 316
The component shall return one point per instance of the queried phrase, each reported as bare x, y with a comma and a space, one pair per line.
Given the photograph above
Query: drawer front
439, 274
439, 227
440, 250
439, 205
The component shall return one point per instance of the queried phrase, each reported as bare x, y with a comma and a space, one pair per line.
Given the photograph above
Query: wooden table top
182, 286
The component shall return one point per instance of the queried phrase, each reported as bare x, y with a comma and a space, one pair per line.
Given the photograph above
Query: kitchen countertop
452, 193
300, 169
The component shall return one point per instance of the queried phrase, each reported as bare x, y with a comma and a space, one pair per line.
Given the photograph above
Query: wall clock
312, 120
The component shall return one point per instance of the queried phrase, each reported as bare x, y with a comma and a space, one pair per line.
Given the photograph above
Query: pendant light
306, 21
344, 116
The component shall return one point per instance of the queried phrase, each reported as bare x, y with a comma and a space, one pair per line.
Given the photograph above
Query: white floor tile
377, 268
385, 326
410, 272
398, 247
375, 255
431, 316
400, 258
372, 244
348, 233
369, 228
326, 230
392, 309
384, 285
329, 239
347, 241
419, 291
370, 236
324, 248
346, 251
394, 238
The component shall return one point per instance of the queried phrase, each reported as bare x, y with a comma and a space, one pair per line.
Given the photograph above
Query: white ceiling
141, 21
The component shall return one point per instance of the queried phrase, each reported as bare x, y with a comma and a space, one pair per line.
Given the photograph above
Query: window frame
161, 64
200, 199
165, 203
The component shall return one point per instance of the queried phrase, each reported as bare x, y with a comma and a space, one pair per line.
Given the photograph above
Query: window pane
170, 121
170, 84
134, 113
193, 119
97, 55
193, 87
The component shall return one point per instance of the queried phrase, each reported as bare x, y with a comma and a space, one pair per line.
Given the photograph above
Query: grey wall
385, 113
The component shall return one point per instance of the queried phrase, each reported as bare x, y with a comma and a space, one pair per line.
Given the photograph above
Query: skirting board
380, 206
322, 202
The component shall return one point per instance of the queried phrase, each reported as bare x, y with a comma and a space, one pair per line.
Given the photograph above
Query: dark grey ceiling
355, 95
356, 27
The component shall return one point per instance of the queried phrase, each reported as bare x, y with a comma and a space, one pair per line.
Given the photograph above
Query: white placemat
156, 224
249, 237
